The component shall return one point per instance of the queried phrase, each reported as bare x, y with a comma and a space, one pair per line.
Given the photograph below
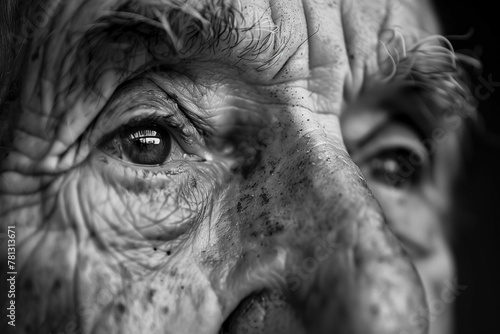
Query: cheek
132, 214
130, 227
417, 219
414, 214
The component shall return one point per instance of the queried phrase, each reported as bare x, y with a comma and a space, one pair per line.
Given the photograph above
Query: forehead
258, 36
325, 48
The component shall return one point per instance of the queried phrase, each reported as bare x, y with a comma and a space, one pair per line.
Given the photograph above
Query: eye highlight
144, 144
397, 167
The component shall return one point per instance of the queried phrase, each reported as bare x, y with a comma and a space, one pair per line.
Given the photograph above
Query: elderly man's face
214, 166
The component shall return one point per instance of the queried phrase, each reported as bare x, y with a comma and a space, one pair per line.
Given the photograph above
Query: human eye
392, 156
143, 141
398, 167
145, 128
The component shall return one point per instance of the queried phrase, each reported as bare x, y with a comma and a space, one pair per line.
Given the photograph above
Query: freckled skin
111, 247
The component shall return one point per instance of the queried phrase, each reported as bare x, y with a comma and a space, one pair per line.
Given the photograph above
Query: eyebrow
161, 31
408, 108
431, 77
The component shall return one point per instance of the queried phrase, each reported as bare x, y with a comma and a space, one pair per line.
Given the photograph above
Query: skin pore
218, 166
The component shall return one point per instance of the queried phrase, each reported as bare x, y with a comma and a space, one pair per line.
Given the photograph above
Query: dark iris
146, 144
397, 168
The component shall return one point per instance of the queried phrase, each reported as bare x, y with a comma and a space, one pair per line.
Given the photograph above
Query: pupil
148, 145
388, 171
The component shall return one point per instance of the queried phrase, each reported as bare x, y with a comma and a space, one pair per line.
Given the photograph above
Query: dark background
478, 241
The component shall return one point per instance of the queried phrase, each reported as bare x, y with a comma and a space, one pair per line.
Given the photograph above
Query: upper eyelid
132, 100
387, 141
107, 125
171, 122
384, 150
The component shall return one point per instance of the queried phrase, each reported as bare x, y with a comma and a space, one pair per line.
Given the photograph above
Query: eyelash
175, 127
397, 178
167, 121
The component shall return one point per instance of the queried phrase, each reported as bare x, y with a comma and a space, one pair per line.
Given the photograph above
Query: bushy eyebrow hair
163, 30
430, 75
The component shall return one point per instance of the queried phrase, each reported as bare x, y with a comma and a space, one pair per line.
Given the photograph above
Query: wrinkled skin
259, 220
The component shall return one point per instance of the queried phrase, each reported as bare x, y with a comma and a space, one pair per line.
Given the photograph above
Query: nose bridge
316, 176
342, 260
304, 186
305, 190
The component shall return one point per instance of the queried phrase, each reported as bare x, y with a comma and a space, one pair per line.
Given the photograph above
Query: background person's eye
396, 167
144, 144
